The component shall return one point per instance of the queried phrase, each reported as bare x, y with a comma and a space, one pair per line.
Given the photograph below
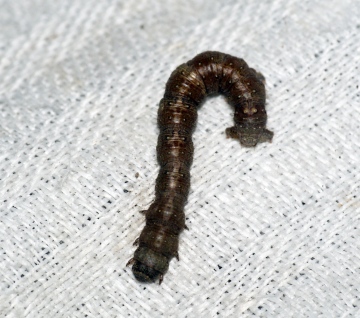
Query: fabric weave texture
273, 231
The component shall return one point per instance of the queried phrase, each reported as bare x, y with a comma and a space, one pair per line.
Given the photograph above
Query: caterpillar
206, 74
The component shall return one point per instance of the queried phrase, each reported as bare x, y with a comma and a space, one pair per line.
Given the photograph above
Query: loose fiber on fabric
273, 231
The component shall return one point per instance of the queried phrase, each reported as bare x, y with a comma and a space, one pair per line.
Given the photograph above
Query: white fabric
273, 231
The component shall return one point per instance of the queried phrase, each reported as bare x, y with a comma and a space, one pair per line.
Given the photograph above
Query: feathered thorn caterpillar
206, 74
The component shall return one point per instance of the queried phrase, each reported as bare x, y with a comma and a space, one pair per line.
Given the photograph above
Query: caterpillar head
144, 273
148, 266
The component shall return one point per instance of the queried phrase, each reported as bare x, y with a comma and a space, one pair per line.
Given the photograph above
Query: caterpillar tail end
249, 138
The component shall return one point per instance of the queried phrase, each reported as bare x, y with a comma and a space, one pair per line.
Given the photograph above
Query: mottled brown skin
206, 74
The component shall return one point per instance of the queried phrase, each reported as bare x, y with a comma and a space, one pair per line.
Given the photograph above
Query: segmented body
207, 73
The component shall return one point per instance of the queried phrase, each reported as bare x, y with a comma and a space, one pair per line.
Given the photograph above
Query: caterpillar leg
136, 241
266, 136
231, 132
130, 262
161, 278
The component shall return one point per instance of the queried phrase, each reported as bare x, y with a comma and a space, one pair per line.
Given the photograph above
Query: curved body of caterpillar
207, 73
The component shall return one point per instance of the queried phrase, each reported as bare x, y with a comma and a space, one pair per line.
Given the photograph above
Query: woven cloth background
273, 231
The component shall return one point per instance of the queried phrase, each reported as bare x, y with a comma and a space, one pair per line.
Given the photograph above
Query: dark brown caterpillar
207, 73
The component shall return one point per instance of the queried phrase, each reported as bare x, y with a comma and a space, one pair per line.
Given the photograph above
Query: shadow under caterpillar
206, 74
